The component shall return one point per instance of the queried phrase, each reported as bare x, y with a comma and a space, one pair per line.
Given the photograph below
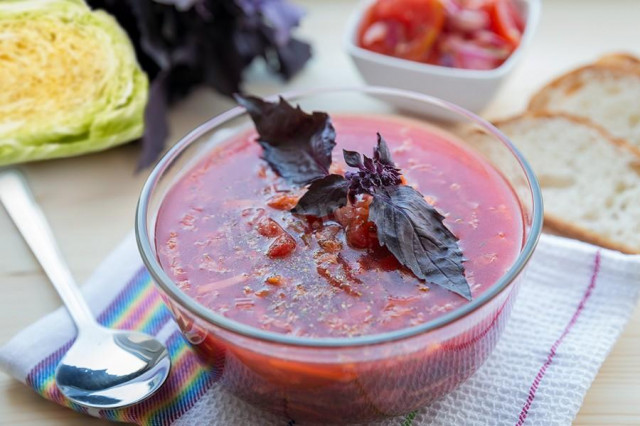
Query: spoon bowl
111, 368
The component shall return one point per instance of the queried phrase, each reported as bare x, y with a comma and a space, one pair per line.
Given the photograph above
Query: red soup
225, 235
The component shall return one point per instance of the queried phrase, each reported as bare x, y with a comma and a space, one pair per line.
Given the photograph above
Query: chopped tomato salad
470, 34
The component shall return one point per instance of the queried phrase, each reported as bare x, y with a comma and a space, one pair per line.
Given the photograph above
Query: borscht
227, 236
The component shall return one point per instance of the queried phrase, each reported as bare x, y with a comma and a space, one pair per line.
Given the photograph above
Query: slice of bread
590, 181
624, 60
607, 92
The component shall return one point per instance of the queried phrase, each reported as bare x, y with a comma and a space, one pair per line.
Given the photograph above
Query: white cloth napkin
572, 306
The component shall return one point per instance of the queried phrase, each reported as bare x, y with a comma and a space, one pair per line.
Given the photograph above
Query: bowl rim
532, 8
171, 289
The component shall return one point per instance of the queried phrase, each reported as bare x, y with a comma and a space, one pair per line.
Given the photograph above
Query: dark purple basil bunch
373, 173
182, 44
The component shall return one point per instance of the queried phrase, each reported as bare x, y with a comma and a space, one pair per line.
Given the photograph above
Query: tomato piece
269, 227
358, 235
475, 4
403, 28
517, 18
283, 201
504, 23
282, 246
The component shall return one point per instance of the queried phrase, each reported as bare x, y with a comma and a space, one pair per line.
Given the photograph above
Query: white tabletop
90, 201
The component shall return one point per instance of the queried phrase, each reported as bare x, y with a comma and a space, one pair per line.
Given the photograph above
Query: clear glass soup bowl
357, 379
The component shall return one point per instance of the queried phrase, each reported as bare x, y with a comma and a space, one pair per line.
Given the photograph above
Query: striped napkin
573, 305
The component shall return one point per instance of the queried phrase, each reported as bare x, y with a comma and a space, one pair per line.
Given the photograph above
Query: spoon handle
32, 224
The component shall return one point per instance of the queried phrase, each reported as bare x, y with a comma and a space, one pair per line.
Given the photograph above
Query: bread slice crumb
590, 181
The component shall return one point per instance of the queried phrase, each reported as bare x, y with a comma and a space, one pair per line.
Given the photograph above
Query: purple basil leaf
381, 152
352, 158
283, 17
369, 165
296, 145
156, 128
156, 25
181, 5
291, 57
414, 232
323, 197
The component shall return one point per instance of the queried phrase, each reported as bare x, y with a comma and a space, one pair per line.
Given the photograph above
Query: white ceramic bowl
471, 89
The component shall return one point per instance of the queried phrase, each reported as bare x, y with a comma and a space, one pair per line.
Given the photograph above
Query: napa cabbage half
69, 81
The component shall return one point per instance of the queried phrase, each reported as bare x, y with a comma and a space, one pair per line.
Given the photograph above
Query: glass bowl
357, 379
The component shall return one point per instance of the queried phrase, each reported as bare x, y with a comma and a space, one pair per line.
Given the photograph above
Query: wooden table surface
90, 201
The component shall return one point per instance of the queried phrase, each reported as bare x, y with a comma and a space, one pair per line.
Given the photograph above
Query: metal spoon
104, 368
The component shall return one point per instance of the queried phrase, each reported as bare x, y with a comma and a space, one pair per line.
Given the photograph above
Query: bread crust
619, 59
570, 230
617, 63
557, 224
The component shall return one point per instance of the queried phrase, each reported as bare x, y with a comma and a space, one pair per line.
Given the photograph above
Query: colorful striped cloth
139, 306
574, 303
